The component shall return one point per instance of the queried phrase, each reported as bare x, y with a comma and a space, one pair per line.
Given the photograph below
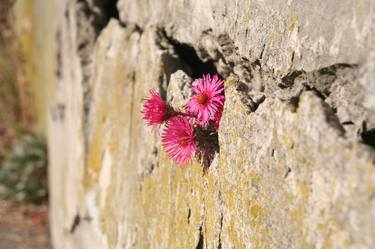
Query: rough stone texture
179, 89
296, 167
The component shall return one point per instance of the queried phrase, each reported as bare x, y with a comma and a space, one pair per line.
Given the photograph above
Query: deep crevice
315, 90
262, 52
110, 8
368, 135
219, 246
98, 13
292, 57
75, 224
200, 244
182, 56
347, 123
208, 144
288, 80
187, 53
189, 215
288, 171
294, 100
253, 103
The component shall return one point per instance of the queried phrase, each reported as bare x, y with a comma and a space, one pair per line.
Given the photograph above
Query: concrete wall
296, 167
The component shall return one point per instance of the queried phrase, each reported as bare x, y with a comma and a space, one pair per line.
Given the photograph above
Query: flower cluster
192, 131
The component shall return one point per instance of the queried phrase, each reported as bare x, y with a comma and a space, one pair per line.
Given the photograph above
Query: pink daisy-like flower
208, 99
154, 109
179, 139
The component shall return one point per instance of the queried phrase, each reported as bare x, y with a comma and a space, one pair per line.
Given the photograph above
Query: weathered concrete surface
296, 163
284, 35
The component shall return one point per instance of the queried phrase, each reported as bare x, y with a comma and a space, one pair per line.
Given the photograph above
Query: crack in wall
219, 246
368, 135
200, 244
256, 82
187, 56
320, 79
91, 16
75, 224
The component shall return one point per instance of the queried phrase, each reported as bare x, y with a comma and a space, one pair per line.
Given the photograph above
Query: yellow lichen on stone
95, 153
293, 23
172, 200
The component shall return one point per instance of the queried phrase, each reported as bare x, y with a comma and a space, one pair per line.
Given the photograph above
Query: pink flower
217, 118
179, 139
208, 99
154, 109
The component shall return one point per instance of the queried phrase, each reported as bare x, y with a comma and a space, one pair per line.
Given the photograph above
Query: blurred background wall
28, 65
